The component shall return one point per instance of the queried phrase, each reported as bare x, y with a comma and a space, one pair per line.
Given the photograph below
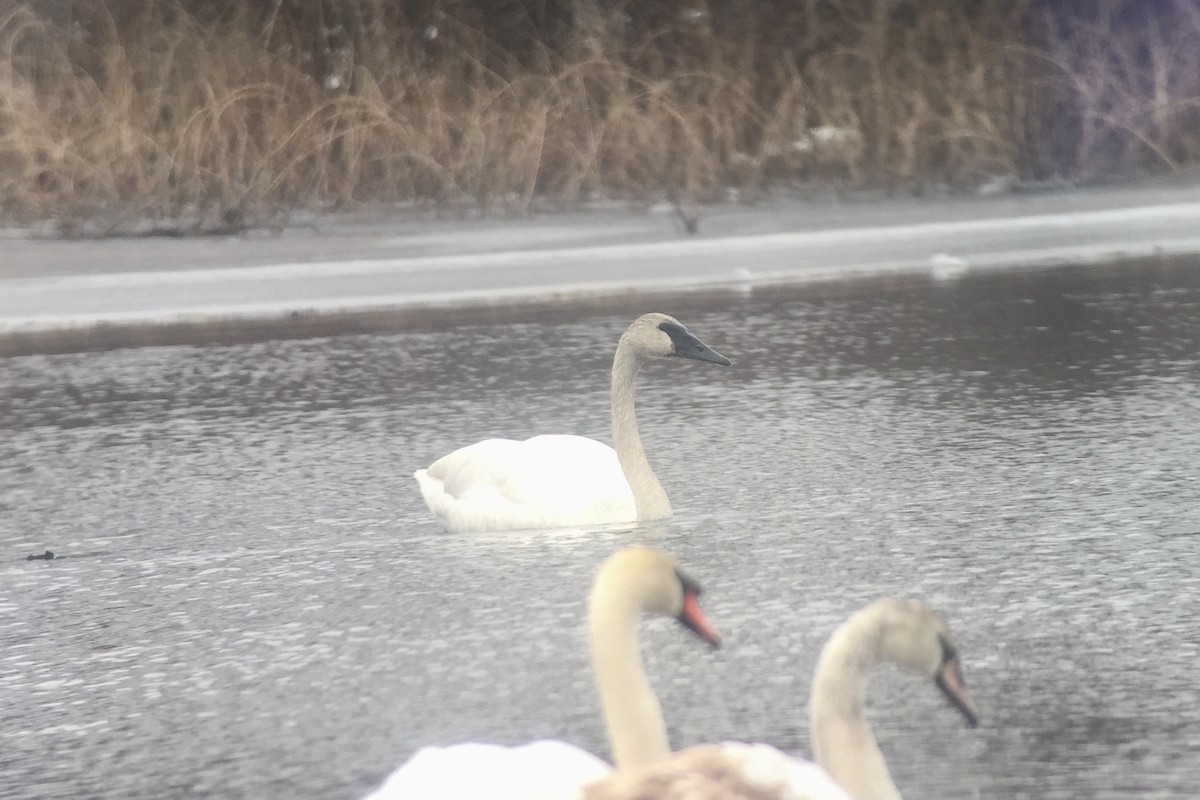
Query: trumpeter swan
849, 765
633, 581
554, 481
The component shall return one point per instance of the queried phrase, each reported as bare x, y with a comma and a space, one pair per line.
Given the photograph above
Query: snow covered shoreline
54, 291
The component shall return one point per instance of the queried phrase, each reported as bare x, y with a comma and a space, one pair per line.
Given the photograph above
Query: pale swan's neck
841, 736
636, 729
648, 493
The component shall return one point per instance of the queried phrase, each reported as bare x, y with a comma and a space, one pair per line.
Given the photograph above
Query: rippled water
251, 600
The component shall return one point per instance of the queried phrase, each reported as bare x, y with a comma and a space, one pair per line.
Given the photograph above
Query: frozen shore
55, 292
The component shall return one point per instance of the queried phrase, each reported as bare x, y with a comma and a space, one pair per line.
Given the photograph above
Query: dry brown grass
127, 113
190, 123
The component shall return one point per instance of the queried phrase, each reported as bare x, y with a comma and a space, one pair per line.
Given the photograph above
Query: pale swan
850, 764
632, 581
555, 481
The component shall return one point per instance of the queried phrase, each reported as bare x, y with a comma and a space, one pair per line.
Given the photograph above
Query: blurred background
214, 115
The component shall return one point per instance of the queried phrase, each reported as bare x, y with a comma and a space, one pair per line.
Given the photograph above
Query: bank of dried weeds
220, 114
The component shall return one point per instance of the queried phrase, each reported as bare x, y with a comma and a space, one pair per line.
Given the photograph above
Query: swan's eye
948, 651
675, 331
688, 584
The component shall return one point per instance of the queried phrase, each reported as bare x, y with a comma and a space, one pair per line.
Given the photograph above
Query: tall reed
188, 115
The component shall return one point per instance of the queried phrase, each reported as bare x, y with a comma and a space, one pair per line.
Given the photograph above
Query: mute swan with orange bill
556, 481
849, 764
634, 581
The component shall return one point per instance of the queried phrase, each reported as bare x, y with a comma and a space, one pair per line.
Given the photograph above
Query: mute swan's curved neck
634, 719
648, 493
841, 736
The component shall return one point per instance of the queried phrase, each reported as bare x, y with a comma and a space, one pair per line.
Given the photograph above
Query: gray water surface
251, 600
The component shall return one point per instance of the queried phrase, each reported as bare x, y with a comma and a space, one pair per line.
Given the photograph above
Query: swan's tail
433, 492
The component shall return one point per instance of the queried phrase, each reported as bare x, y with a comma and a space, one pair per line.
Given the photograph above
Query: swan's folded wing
545, 770
731, 771
546, 481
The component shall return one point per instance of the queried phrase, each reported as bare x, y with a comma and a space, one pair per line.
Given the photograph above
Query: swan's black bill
688, 346
694, 620
950, 681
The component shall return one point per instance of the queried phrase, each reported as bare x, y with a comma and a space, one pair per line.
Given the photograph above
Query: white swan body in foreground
559, 480
851, 766
633, 581
543, 770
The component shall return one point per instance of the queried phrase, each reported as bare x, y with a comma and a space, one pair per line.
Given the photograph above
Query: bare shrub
1122, 86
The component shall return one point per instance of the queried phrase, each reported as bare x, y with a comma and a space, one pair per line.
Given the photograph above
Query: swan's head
661, 335
651, 581
916, 636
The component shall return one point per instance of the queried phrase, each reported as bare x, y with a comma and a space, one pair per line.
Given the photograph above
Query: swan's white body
545, 770
549, 481
561, 480
851, 766
633, 581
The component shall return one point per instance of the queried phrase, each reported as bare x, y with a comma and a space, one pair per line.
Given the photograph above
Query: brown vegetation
221, 113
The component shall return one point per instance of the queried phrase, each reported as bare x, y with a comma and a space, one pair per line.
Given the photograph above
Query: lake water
251, 600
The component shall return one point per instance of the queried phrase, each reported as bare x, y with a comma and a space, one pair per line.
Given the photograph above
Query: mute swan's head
648, 580
661, 335
916, 636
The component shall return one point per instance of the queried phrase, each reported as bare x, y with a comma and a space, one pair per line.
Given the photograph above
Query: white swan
561, 480
632, 581
850, 764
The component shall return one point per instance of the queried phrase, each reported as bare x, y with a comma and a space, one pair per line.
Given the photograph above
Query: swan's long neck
842, 740
648, 493
636, 730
